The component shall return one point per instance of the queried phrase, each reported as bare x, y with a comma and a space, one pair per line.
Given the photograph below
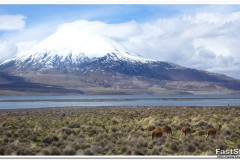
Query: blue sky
106, 13
38, 14
198, 36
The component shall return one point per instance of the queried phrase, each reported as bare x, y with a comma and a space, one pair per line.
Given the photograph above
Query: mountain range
78, 62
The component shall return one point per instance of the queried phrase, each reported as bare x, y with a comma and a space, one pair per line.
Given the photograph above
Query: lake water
19, 102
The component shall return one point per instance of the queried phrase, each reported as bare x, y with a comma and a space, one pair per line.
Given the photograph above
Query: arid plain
116, 130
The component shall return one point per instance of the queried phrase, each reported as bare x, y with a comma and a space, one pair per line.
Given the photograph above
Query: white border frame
108, 157
119, 2
13, 2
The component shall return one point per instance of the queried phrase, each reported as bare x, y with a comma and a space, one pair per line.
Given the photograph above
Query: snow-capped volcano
79, 49
96, 60
76, 43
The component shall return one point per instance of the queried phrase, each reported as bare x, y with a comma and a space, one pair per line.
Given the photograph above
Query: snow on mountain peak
79, 38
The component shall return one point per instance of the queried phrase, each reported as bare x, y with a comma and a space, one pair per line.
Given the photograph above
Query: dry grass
116, 130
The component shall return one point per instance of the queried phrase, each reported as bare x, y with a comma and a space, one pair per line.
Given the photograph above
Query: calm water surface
17, 102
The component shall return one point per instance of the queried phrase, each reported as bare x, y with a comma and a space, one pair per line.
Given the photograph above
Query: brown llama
166, 129
186, 130
156, 133
212, 131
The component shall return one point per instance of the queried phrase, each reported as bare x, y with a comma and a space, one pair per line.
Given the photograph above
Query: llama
166, 129
156, 133
186, 130
212, 131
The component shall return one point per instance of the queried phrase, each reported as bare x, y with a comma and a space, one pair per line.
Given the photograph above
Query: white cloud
206, 41
24, 39
10, 49
12, 22
118, 32
7, 49
24, 46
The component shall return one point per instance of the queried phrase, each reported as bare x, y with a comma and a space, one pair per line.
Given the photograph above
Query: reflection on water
119, 100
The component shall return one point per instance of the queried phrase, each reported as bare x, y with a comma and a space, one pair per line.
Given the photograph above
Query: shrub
8, 134
173, 146
114, 129
55, 151
74, 125
88, 152
222, 146
224, 119
69, 151
238, 146
124, 149
160, 141
176, 127
228, 138
68, 131
6, 140
137, 152
209, 126
45, 152
184, 124
76, 146
25, 151
160, 123
64, 136
201, 133
2, 150
67, 122
58, 144
114, 122
84, 146
34, 138
102, 143
235, 136
55, 138
62, 115
197, 143
150, 128
7, 150
190, 148
156, 150
202, 123
227, 132
166, 151
97, 149
49, 140
92, 132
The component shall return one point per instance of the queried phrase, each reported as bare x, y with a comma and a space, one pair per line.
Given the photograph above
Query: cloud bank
12, 22
205, 40
7, 49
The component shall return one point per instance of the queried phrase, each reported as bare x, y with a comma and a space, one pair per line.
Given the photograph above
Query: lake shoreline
16, 102
112, 107
117, 99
